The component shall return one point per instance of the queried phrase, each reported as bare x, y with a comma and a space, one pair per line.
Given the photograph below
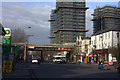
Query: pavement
0, 72
21, 70
24, 70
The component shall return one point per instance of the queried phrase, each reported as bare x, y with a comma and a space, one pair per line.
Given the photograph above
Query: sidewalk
21, 70
109, 67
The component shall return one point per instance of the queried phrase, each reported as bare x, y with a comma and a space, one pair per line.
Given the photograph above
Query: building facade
102, 41
68, 22
82, 46
105, 17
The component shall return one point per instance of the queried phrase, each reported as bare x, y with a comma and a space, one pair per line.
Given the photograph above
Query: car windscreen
34, 58
57, 57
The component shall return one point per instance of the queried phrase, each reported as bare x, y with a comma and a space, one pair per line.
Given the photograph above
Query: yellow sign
102, 47
7, 66
85, 59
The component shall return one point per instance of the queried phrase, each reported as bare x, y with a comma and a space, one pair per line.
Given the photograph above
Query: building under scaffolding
67, 22
105, 17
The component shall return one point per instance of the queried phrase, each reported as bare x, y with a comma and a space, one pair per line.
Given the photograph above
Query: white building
82, 47
102, 40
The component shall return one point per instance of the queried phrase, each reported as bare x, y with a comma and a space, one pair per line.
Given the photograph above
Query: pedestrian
79, 61
99, 64
20, 59
118, 68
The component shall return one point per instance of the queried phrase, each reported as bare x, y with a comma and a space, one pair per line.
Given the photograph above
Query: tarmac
22, 70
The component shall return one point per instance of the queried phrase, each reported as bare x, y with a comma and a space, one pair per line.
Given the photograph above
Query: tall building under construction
68, 22
119, 4
106, 17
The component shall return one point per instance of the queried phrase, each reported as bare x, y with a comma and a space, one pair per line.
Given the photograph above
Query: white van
59, 59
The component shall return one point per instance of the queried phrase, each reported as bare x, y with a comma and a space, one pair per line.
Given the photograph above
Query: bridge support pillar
42, 59
25, 52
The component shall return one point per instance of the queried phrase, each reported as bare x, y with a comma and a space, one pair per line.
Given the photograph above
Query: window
92, 43
99, 37
109, 35
106, 36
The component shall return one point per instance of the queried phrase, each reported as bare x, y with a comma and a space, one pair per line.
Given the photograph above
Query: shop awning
100, 51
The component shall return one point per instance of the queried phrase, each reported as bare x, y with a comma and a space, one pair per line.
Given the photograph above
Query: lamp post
25, 46
118, 46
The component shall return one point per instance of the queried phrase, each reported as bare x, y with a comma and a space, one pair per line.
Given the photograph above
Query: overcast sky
36, 16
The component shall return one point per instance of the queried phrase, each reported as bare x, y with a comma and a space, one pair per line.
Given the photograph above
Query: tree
113, 51
19, 36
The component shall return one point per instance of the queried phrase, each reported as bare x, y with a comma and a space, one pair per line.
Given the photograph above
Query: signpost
6, 48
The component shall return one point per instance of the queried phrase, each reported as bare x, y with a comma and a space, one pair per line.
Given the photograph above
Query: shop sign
90, 55
8, 31
64, 49
7, 66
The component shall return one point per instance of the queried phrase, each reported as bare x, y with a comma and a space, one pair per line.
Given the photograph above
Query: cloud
0, 12
89, 23
59, 0
22, 16
36, 16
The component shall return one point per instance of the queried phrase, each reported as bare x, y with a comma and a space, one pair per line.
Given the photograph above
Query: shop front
90, 58
98, 54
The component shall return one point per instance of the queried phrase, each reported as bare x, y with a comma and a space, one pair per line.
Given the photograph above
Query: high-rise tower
106, 17
68, 22
119, 4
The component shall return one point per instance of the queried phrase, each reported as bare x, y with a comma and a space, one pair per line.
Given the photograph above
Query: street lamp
25, 46
118, 46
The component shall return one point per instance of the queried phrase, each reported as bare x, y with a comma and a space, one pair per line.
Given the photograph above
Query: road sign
111, 63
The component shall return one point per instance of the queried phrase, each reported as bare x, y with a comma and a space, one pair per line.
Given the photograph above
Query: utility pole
118, 46
102, 35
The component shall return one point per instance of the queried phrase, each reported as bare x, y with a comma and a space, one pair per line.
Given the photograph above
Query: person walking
99, 64
79, 61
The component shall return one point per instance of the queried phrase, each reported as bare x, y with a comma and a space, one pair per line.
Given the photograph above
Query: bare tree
19, 36
113, 51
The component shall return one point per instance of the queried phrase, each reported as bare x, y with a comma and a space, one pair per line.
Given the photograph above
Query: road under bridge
43, 47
